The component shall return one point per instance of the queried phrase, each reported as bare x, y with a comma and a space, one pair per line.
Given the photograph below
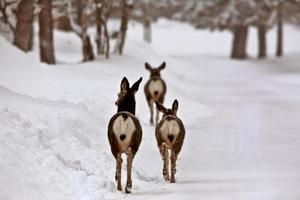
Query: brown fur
126, 110
165, 145
160, 97
136, 137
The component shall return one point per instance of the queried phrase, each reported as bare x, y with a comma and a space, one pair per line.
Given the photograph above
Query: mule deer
169, 134
125, 131
155, 89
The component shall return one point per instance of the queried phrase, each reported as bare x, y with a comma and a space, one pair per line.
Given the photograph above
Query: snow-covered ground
241, 117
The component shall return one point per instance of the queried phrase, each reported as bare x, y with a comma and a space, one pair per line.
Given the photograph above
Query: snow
241, 119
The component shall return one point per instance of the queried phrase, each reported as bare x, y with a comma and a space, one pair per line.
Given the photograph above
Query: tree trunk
99, 40
87, 50
123, 27
99, 37
147, 22
239, 46
5, 15
279, 50
262, 42
63, 23
46, 32
103, 8
24, 29
107, 41
147, 30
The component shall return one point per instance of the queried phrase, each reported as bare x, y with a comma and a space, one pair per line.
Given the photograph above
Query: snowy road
245, 147
242, 123
243, 132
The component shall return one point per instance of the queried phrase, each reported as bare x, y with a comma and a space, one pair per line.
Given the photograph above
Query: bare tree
148, 11
99, 23
147, 22
61, 19
103, 8
23, 38
46, 32
6, 12
126, 11
81, 25
279, 49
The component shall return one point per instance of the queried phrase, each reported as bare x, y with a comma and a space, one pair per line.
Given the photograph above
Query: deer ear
175, 106
135, 86
147, 66
160, 107
124, 84
162, 66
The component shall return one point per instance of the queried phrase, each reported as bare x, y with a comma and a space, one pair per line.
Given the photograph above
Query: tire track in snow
244, 133
247, 126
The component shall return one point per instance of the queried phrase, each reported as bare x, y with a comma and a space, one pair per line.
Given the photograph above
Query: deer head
126, 96
155, 71
168, 111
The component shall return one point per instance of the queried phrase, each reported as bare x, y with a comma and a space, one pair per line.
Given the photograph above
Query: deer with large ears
170, 133
155, 89
125, 131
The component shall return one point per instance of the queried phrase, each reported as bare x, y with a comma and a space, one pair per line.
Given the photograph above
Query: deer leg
157, 117
165, 156
173, 166
129, 168
150, 103
118, 172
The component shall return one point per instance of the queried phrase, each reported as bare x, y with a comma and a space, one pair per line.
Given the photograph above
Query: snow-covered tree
285, 10
237, 16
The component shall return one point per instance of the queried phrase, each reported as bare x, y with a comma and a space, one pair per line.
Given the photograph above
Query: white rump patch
156, 85
123, 126
169, 127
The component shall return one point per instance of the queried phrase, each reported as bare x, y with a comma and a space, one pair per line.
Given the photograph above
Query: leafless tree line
79, 15
75, 15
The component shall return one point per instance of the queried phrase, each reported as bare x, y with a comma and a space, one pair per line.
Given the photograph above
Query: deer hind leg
150, 103
129, 168
157, 117
165, 157
118, 172
160, 100
173, 166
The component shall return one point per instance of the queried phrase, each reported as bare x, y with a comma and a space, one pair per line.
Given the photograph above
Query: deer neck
169, 117
127, 104
155, 77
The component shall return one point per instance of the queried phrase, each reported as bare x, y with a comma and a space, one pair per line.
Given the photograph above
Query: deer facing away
170, 133
155, 89
125, 131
